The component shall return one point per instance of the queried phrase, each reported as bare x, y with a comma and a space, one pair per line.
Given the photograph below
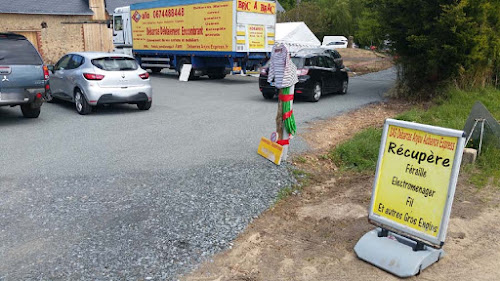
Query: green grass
487, 168
451, 111
301, 159
360, 153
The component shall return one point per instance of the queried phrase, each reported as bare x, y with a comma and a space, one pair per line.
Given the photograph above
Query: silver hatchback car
90, 78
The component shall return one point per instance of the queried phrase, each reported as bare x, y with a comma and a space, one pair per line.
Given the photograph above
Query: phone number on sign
168, 13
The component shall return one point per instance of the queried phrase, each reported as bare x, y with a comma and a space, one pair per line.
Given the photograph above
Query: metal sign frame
437, 241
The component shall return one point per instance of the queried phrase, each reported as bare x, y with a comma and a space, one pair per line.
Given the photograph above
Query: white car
91, 78
335, 45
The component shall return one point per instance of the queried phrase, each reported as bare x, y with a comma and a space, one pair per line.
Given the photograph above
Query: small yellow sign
256, 37
414, 177
252, 6
270, 150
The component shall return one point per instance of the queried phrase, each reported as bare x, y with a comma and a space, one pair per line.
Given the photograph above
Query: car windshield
115, 63
18, 52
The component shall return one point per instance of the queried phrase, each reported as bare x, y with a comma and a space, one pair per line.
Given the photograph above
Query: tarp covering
296, 36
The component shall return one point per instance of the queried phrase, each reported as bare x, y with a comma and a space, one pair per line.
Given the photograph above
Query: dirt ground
361, 61
311, 235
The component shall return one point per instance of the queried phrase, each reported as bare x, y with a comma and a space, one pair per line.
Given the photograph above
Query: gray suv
23, 76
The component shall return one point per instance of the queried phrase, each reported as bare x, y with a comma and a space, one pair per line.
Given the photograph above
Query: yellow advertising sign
260, 7
256, 37
414, 177
196, 27
270, 150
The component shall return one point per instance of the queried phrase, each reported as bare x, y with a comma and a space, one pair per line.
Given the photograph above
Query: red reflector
93, 101
298, 91
45, 72
145, 75
47, 87
39, 95
92, 76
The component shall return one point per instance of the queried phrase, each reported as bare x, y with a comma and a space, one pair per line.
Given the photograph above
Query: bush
443, 42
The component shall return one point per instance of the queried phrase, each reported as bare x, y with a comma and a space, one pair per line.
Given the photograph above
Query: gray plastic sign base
395, 253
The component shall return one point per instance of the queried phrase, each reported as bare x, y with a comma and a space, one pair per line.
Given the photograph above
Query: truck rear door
255, 25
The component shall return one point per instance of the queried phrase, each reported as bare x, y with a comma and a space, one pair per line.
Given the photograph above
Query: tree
369, 31
442, 41
288, 4
308, 12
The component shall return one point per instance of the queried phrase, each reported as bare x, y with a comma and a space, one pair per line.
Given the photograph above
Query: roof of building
52, 7
66, 7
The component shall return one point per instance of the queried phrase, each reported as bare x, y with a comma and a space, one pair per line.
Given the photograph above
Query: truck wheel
217, 74
181, 63
30, 111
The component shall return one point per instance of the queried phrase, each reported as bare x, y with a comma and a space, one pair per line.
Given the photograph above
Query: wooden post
279, 117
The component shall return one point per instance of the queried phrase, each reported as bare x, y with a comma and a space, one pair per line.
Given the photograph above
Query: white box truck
214, 36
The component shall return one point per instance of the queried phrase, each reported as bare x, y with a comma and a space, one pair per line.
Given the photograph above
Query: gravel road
123, 194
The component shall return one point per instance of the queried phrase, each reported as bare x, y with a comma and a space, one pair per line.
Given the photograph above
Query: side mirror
109, 23
51, 67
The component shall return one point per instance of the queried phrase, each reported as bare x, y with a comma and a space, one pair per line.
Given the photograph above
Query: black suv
320, 71
23, 76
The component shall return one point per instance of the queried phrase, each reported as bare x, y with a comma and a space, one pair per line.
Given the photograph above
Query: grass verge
451, 111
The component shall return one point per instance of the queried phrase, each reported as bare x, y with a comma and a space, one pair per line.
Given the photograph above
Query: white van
334, 42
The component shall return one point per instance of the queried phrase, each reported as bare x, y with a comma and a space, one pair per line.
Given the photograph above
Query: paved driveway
129, 194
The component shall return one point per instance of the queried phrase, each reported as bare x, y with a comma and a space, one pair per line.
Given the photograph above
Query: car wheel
81, 104
268, 95
30, 111
345, 86
317, 91
145, 105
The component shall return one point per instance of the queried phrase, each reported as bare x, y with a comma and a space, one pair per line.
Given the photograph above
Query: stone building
57, 27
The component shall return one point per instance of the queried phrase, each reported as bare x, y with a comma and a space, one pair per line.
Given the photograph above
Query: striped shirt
282, 70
